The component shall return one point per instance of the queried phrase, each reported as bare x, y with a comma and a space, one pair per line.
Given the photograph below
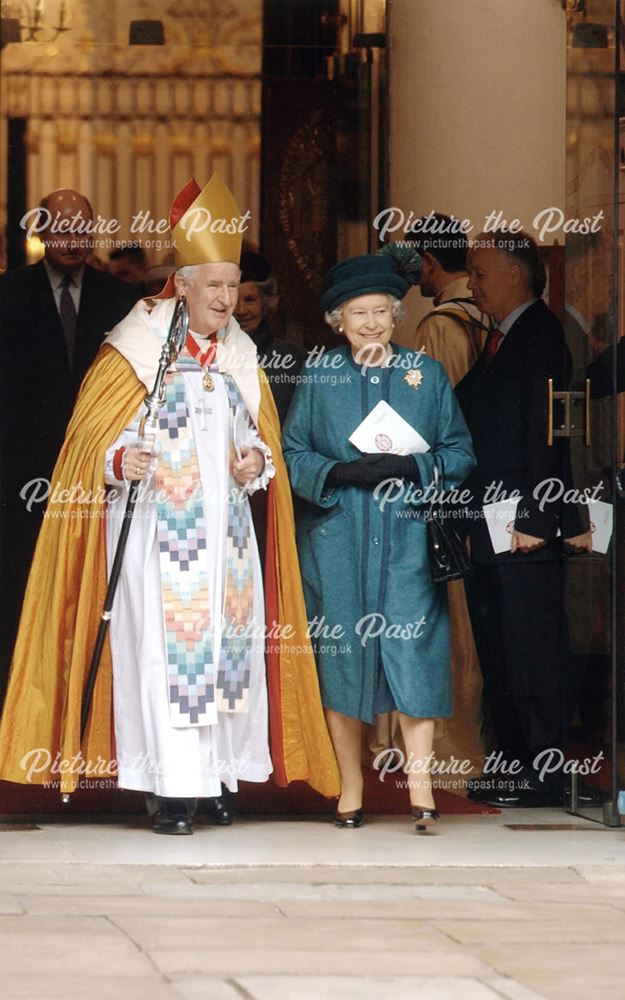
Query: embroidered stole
202, 681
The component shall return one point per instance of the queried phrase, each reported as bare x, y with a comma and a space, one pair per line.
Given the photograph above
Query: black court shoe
349, 820
424, 818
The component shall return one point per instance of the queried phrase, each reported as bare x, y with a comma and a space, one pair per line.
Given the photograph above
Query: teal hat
363, 275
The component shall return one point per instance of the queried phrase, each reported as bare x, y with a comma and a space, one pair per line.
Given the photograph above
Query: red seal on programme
383, 442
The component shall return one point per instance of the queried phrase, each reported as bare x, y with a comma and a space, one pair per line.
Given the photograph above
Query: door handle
569, 426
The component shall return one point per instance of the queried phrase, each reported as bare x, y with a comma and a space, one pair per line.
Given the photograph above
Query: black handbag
449, 559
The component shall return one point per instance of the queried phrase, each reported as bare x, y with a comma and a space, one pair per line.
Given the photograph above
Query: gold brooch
414, 378
207, 382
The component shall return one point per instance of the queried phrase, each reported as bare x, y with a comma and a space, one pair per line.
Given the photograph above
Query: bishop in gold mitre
208, 677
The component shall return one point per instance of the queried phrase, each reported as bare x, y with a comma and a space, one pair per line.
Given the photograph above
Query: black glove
369, 470
393, 467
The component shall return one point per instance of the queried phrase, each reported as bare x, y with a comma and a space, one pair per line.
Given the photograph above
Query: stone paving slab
569, 930
61, 904
563, 893
562, 971
183, 930
348, 988
448, 910
207, 988
385, 841
79, 877
594, 874
401, 875
414, 909
510, 988
327, 935
68, 985
270, 891
120, 888
9, 905
83, 945
234, 962
34, 846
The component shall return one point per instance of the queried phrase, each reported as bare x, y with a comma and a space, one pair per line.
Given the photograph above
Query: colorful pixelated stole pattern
233, 675
196, 694
181, 529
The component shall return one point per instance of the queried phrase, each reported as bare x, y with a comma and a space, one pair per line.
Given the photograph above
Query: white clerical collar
203, 338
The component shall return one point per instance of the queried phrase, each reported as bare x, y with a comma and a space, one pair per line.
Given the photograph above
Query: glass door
593, 321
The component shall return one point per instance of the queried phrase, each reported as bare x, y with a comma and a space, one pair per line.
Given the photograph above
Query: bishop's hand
249, 467
136, 464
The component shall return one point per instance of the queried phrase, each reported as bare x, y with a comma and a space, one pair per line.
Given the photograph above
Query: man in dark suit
280, 359
53, 317
515, 597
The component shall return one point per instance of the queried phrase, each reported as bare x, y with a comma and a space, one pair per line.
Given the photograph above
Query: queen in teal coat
378, 622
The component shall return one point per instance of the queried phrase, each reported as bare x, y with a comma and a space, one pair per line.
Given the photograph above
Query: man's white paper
500, 522
600, 514
385, 431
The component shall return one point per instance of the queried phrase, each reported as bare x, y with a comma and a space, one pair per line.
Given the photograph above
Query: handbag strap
436, 474
434, 502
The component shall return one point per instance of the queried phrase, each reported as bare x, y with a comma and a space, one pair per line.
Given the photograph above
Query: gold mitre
206, 225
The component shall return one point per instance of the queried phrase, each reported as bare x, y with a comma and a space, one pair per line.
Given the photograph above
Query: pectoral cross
204, 410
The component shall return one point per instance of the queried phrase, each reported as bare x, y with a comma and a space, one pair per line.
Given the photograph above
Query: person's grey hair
188, 272
523, 250
334, 317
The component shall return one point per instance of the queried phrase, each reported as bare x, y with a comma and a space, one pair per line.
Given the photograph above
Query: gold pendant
207, 382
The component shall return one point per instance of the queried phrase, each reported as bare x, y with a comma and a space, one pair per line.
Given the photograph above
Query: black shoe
173, 823
556, 795
477, 788
486, 789
526, 798
424, 818
509, 793
586, 796
349, 820
220, 809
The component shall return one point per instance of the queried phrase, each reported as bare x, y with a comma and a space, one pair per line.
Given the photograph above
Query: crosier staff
148, 427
